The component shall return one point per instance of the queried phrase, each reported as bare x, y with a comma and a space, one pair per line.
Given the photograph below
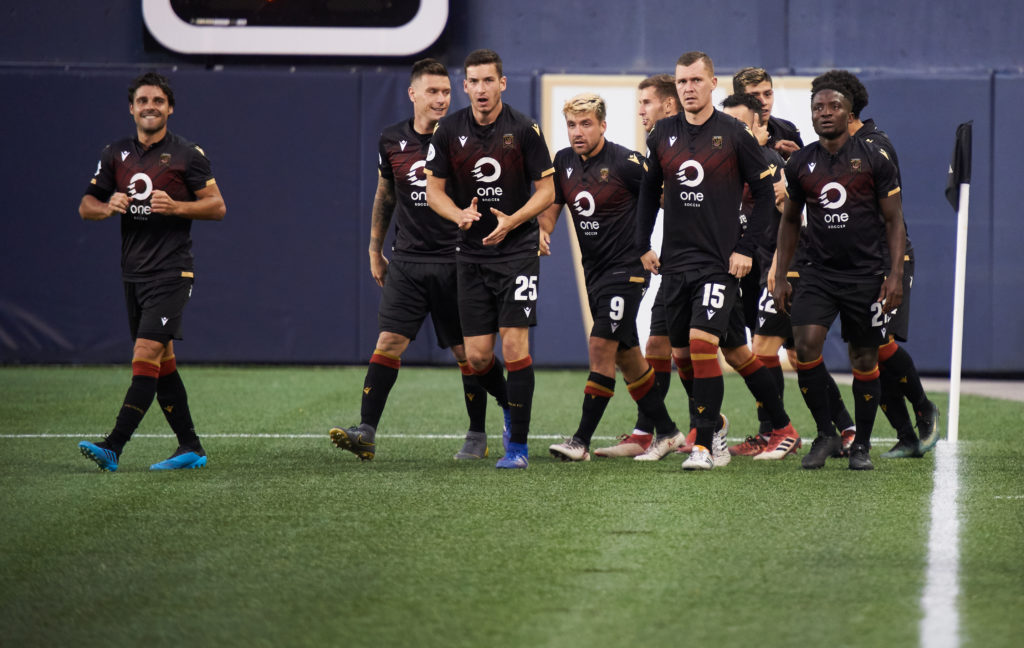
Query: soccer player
481, 163
158, 182
898, 372
657, 100
421, 278
783, 136
599, 181
852, 264
700, 160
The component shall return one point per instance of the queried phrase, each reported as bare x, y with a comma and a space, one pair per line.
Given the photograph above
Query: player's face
742, 113
431, 96
695, 84
653, 108
484, 87
586, 133
830, 113
766, 94
150, 109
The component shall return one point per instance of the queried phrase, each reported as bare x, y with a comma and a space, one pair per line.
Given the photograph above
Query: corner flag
958, 191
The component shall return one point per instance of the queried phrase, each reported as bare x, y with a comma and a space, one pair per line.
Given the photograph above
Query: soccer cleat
847, 435
628, 446
359, 440
902, 450
183, 458
783, 442
752, 446
572, 449
517, 456
822, 448
661, 446
105, 458
720, 447
506, 431
859, 457
700, 459
475, 446
927, 428
691, 438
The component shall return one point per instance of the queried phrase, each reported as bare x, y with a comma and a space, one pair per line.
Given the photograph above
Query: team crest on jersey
506, 140
402, 143
855, 165
604, 174
568, 172
716, 141
462, 140
165, 159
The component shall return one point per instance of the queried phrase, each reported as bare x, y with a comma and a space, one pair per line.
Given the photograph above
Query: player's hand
651, 262
771, 273
499, 233
891, 294
161, 203
786, 148
760, 131
739, 265
118, 203
545, 243
470, 215
782, 294
780, 194
379, 267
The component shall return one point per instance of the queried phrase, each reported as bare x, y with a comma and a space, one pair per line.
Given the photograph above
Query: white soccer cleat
720, 446
699, 459
662, 446
572, 449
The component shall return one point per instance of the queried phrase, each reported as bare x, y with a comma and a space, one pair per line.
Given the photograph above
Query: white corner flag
958, 191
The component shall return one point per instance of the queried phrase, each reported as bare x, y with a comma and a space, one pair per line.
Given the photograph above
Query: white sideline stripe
542, 437
940, 624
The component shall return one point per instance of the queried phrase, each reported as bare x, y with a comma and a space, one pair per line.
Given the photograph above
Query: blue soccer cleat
516, 457
506, 432
182, 459
105, 458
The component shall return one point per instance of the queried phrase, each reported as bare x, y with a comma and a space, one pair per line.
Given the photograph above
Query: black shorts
697, 300
614, 302
155, 308
498, 295
772, 322
899, 321
736, 331
817, 300
750, 290
412, 290
659, 321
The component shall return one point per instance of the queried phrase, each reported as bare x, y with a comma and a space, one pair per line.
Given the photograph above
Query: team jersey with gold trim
496, 164
872, 134
845, 236
420, 234
153, 246
601, 195
703, 169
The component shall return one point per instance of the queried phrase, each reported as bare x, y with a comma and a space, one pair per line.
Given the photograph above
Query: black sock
381, 375
662, 381
173, 400
476, 399
902, 366
866, 394
136, 401
493, 382
766, 394
813, 380
520, 398
837, 408
895, 408
596, 394
651, 402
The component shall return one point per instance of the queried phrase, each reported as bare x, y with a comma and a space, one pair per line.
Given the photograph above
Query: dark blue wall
285, 277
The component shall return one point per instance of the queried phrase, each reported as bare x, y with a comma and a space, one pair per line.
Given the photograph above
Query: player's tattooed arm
380, 220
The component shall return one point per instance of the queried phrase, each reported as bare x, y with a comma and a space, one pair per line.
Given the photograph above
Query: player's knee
392, 343
737, 356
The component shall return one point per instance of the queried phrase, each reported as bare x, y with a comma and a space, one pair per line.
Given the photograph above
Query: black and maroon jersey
703, 169
601, 194
845, 237
496, 164
153, 246
769, 236
420, 234
781, 129
871, 134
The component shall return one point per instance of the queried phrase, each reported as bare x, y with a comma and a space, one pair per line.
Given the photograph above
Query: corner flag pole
958, 191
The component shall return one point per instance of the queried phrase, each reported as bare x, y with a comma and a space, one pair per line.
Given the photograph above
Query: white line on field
241, 435
940, 625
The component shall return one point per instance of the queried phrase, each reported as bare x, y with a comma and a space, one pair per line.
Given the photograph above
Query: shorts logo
481, 164
527, 310
133, 190
163, 321
760, 320
584, 204
711, 313
684, 177
414, 178
826, 198
615, 326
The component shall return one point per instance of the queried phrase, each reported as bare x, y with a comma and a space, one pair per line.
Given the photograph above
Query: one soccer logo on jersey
684, 177
584, 204
826, 199
133, 190
480, 167
414, 177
